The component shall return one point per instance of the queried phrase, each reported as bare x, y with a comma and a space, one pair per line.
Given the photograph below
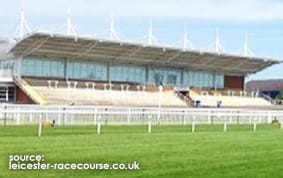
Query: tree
279, 97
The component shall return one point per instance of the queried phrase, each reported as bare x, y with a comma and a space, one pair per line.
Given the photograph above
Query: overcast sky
262, 19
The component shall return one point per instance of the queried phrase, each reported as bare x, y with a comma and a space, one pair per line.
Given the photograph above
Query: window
127, 73
166, 76
158, 79
42, 67
172, 79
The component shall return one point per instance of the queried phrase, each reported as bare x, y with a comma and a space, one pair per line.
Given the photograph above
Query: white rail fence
107, 115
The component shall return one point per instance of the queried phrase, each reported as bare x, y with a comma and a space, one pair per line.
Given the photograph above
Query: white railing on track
83, 115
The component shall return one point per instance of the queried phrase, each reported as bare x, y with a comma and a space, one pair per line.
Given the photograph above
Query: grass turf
169, 151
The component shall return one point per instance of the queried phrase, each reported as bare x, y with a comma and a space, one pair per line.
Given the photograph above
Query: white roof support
88, 49
218, 47
35, 46
112, 32
151, 40
187, 45
247, 51
23, 27
70, 30
174, 56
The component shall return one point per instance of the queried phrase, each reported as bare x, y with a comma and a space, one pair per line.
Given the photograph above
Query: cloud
190, 9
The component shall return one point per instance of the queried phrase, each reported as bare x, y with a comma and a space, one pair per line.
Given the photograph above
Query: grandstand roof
75, 47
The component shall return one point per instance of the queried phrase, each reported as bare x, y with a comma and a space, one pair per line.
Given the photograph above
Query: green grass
169, 151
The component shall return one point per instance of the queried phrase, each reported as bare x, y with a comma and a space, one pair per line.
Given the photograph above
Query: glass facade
203, 79
164, 76
87, 70
42, 67
93, 70
128, 73
6, 64
219, 81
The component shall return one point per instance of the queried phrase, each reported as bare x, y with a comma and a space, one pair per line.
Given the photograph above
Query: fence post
30, 118
64, 116
98, 125
255, 120
18, 116
184, 117
208, 116
59, 116
40, 125
47, 117
211, 118
238, 117
149, 125
231, 117
225, 126
128, 116
106, 116
259, 119
281, 125
5, 115
193, 124
269, 117
95, 117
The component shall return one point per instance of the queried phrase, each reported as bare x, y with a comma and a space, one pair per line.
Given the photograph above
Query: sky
262, 20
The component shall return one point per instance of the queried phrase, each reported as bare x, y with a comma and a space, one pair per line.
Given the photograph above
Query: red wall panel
234, 82
22, 98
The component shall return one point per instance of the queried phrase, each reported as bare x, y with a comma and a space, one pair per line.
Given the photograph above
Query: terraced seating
228, 101
90, 93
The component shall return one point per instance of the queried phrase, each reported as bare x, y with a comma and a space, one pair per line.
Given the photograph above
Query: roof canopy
71, 47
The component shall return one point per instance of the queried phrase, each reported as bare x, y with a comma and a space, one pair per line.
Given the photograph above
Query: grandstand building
270, 88
44, 68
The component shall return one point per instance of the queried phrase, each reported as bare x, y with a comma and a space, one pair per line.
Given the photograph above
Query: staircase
28, 90
189, 102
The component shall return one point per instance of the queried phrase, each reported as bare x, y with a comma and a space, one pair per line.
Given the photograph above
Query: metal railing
268, 98
109, 115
